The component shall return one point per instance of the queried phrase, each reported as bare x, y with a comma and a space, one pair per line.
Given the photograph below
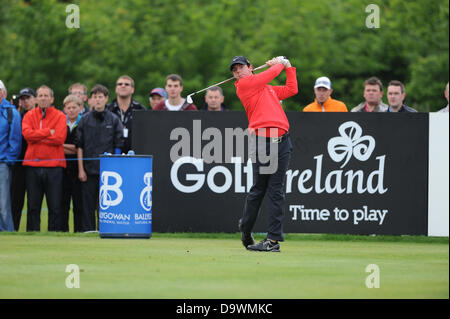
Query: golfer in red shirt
269, 126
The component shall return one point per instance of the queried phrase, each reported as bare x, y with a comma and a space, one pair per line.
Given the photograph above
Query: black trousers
271, 161
71, 191
18, 189
90, 193
40, 181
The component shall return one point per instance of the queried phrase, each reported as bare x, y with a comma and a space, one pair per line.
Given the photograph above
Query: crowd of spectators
47, 151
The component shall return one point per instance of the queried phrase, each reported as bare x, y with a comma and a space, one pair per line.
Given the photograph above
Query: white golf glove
282, 59
279, 59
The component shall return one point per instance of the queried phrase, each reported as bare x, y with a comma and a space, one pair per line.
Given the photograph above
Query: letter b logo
110, 194
146, 193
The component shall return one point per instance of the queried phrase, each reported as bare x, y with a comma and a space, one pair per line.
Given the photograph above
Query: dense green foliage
149, 39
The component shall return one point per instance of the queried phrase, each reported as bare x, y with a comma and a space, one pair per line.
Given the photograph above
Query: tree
197, 39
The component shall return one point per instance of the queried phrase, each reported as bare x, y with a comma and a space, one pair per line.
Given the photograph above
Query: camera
15, 101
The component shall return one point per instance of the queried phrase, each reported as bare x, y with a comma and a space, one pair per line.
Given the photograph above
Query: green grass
193, 265
32, 265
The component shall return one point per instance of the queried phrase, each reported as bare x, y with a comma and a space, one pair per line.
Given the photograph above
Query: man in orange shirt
323, 101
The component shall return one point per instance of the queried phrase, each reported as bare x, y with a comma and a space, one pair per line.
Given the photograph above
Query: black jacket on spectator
97, 133
18, 184
222, 106
126, 119
404, 108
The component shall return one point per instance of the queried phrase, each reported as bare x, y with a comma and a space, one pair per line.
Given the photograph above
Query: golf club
189, 97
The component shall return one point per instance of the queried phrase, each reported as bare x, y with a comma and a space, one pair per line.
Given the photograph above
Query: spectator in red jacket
269, 123
44, 128
174, 102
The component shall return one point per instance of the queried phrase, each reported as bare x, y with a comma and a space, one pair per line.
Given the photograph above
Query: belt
275, 139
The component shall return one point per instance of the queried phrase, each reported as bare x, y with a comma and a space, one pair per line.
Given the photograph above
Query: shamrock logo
351, 142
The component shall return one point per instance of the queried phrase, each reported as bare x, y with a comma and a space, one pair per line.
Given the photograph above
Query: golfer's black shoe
265, 245
247, 238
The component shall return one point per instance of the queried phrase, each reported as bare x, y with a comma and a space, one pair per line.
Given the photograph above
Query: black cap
27, 92
239, 60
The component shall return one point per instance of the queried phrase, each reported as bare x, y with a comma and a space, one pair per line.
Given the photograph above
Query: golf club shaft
227, 80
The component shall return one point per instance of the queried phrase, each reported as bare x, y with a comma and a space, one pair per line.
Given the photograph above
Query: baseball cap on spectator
27, 92
160, 92
239, 60
323, 82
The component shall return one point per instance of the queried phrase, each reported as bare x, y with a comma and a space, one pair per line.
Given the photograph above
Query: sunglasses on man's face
122, 83
77, 93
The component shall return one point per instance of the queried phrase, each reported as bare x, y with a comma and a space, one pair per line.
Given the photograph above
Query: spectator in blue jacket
10, 146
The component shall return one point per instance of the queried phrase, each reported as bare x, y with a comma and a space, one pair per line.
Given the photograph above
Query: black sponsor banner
349, 173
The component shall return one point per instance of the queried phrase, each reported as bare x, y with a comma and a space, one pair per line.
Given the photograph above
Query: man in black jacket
98, 131
396, 96
27, 101
123, 106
